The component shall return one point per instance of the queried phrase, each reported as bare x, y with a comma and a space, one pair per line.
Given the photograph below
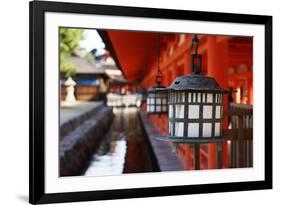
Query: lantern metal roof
194, 82
155, 88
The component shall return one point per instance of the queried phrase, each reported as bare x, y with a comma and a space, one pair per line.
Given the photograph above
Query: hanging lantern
195, 109
157, 102
195, 106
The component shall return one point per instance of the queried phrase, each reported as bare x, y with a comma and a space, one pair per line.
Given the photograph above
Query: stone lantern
70, 98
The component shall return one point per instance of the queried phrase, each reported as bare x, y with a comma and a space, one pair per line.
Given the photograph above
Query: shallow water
124, 149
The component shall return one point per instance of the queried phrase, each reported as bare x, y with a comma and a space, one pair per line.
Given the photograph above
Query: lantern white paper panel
193, 111
170, 128
207, 129
217, 129
179, 129
209, 97
207, 112
189, 97
179, 111
158, 101
193, 129
171, 111
194, 97
177, 97
171, 97
203, 97
182, 97
218, 112
158, 108
220, 98
198, 97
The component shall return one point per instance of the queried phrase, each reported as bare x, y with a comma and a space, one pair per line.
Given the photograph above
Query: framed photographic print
139, 102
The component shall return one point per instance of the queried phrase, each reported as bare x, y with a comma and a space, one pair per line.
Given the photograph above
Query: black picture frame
37, 11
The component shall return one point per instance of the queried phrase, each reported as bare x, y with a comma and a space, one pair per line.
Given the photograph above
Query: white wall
14, 99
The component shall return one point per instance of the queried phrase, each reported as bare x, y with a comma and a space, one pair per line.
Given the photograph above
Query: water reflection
124, 149
112, 163
110, 157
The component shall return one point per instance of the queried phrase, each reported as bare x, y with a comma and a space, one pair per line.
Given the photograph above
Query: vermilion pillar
187, 62
217, 63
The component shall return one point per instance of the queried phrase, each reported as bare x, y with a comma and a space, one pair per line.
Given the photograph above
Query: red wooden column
217, 62
187, 69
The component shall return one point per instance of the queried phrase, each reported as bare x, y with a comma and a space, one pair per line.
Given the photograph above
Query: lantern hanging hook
196, 59
195, 41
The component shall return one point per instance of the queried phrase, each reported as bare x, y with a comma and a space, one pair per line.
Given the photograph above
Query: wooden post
219, 155
197, 156
212, 156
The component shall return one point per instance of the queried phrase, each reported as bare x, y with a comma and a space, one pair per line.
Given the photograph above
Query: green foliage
69, 43
69, 40
66, 68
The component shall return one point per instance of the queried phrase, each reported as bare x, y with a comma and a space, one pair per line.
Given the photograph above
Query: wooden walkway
167, 161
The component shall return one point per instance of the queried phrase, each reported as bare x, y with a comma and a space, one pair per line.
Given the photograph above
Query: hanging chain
196, 59
159, 74
195, 41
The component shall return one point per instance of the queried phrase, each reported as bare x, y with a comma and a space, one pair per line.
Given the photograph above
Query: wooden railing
240, 135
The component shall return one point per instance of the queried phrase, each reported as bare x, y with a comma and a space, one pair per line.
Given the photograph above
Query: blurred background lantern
157, 102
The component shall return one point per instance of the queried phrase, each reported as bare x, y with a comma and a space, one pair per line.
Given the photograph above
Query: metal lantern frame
208, 128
